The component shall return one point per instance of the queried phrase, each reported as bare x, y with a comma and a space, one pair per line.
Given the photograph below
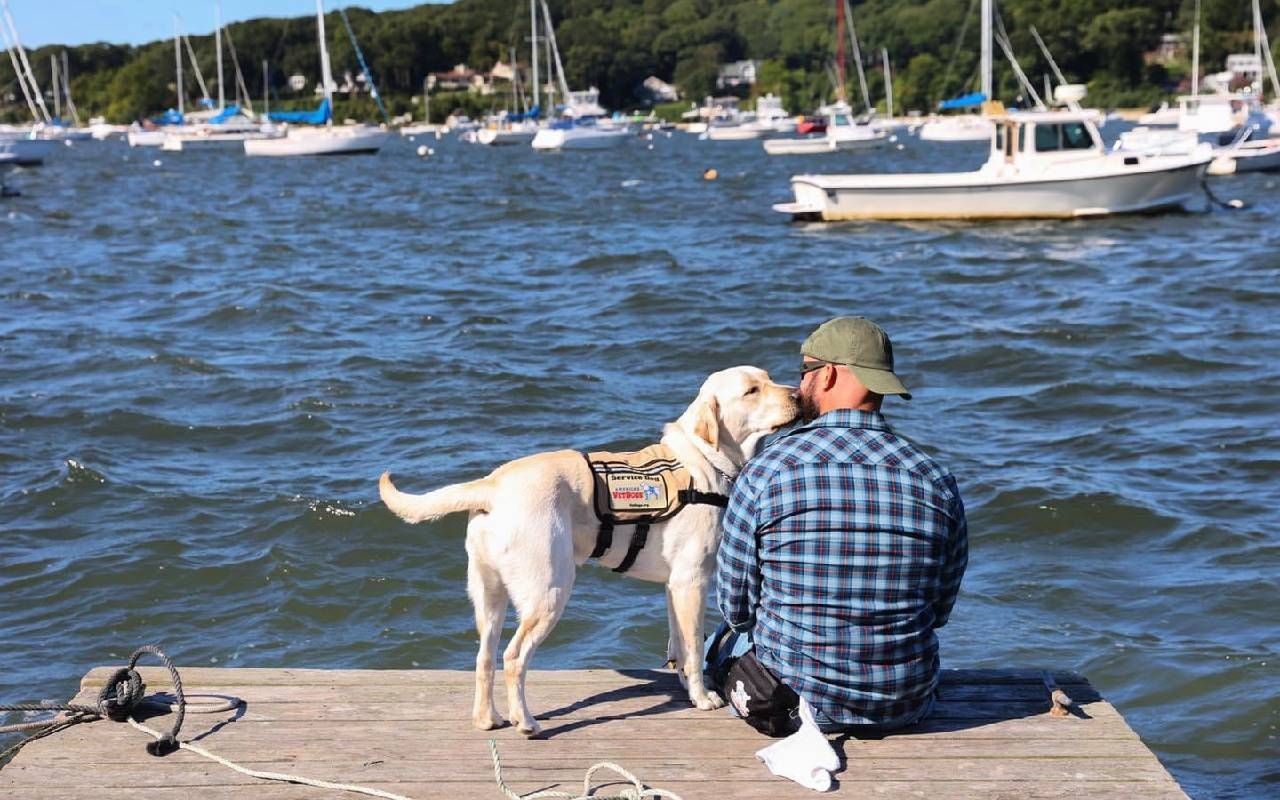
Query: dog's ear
707, 425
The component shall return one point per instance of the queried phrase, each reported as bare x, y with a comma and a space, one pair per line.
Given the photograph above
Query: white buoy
649, 147
155, 163
902, 147
422, 150
67, 142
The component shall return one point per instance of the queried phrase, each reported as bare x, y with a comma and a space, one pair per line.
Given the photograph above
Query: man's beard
808, 407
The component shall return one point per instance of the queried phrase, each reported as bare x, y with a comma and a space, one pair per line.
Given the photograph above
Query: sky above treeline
74, 22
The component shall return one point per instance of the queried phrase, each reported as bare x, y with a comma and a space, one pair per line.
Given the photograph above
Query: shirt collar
847, 418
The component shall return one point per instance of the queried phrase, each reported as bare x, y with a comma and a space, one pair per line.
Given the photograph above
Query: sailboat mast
1195, 53
217, 44
987, 12
57, 87
26, 65
177, 58
888, 83
857, 57
533, 48
266, 96
17, 71
326, 75
840, 93
555, 50
66, 90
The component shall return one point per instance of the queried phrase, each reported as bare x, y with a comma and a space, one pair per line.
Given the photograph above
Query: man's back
844, 546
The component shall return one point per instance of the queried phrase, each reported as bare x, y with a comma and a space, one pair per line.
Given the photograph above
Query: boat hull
1253, 156
578, 139
23, 151
956, 129
822, 144
146, 138
734, 133
502, 138
336, 141
819, 197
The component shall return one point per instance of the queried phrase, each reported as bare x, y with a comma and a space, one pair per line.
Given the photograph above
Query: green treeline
616, 44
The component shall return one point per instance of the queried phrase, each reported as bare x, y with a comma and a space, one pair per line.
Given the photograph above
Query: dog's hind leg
515, 661
688, 601
489, 598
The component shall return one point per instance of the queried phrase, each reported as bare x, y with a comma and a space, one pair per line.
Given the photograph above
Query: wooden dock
409, 732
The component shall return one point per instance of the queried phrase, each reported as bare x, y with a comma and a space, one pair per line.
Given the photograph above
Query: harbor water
206, 361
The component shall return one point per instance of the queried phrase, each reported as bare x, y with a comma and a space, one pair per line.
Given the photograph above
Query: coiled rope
124, 692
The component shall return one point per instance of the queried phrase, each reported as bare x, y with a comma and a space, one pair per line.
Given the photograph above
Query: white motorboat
1043, 164
744, 131
843, 133
1222, 113
319, 136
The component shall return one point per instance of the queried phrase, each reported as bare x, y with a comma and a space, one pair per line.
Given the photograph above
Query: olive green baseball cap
861, 345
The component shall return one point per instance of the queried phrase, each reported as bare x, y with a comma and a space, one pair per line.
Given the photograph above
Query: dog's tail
472, 496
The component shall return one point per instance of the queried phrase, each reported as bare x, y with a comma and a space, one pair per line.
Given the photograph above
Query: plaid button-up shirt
843, 550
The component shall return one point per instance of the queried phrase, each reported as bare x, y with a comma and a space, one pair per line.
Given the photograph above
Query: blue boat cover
226, 114
318, 117
964, 101
169, 117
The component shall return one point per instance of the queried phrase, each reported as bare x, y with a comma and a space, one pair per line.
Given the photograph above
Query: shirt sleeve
738, 561
957, 559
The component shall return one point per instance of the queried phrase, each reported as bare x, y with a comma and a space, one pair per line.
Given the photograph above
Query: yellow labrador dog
533, 521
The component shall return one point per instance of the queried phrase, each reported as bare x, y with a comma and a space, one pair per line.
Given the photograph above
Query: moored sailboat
313, 133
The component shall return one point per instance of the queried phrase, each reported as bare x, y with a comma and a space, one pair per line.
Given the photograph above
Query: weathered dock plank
409, 732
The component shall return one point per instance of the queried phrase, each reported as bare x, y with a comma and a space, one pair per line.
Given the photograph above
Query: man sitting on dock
843, 550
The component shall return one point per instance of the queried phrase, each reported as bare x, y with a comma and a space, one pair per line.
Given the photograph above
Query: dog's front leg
674, 659
688, 601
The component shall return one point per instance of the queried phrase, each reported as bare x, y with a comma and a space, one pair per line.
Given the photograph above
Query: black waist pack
764, 702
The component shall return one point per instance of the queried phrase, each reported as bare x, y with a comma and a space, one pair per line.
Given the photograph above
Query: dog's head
738, 406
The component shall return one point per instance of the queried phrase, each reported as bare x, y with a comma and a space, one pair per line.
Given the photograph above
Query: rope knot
124, 691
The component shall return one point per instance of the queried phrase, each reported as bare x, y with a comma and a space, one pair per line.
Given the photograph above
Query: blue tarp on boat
964, 101
169, 117
318, 117
226, 114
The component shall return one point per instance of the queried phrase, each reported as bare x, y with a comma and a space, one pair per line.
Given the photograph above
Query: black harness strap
604, 538
638, 540
692, 496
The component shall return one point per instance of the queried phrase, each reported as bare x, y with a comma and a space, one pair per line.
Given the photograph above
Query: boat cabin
1020, 137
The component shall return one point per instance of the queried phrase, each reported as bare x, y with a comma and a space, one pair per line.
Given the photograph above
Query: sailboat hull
334, 141
1164, 184
584, 138
23, 151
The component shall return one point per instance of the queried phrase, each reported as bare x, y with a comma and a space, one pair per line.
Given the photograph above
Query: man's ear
707, 425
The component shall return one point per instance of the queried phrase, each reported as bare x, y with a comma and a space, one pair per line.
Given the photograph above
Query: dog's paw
531, 730
487, 722
710, 702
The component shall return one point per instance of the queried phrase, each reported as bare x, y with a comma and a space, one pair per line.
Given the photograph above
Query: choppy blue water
205, 364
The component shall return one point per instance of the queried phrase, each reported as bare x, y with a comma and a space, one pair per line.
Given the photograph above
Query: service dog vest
640, 488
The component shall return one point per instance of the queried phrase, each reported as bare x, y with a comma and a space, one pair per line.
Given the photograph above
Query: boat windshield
1068, 136
841, 119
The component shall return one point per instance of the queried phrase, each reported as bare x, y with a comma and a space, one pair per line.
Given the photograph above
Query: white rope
271, 776
636, 792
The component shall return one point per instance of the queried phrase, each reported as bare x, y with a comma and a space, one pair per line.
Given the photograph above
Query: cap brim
881, 381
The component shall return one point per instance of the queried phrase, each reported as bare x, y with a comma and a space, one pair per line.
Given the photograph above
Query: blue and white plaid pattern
843, 550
